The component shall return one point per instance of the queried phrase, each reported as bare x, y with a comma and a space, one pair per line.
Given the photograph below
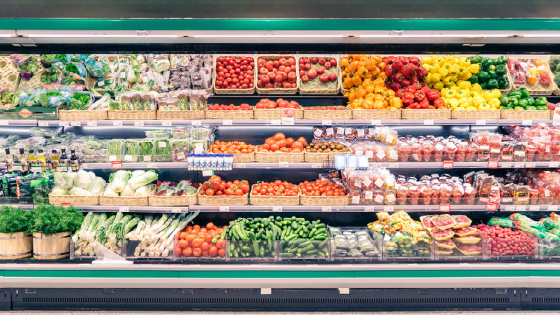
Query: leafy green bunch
50, 219
13, 220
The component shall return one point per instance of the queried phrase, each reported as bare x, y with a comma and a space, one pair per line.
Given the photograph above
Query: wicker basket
223, 200
231, 91
229, 114
276, 91
276, 113
132, 114
556, 89
180, 114
125, 201
170, 201
525, 114
82, 115
323, 200
328, 114
74, 200
15, 245
537, 89
475, 114
56, 246
324, 91
426, 114
376, 114
244, 157
274, 200
267, 157
320, 157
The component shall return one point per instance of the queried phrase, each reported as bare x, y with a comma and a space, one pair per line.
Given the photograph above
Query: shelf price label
177, 210
116, 165
276, 122
63, 124
316, 165
4, 122
276, 208
480, 122
326, 122
76, 123
224, 208
509, 208
553, 164
207, 173
534, 208
530, 165
196, 122
326, 208
491, 206
227, 122
283, 164
552, 208
166, 123
388, 208
428, 122
369, 209
117, 123
92, 123
505, 165
376, 122
520, 208
493, 163
124, 209
139, 123
526, 122
447, 165
43, 123
444, 207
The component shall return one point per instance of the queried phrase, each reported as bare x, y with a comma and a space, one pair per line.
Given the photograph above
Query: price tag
316, 165
369, 209
152, 165
429, 122
138, 123
447, 164
480, 122
43, 123
62, 168
530, 165
166, 123
207, 173
92, 123
276, 208
534, 208
36, 168
527, 122
63, 124
276, 122
288, 120
552, 208
326, 208
85, 166
117, 123
124, 209
4, 122
444, 207
116, 165
509, 208
393, 165
520, 208
505, 165
376, 122
518, 165
17, 167
240, 165
283, 164
493, 163
326, 122
176, 210
76, 123
491, 206
388, 208
196, 122
224, 208
66, 204
553, 164
227, 122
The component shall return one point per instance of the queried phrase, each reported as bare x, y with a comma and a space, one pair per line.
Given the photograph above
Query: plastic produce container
355, 244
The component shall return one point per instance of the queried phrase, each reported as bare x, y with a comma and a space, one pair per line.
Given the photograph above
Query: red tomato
209, 192
239, 192
187, 251
197, 252
312, 74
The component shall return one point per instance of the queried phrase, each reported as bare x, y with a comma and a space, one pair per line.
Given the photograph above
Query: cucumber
299, 241
305, 249
319, 226
286, 255
319, 237
312, 232
305, 244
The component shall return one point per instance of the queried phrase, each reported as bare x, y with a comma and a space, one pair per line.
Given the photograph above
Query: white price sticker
283, 164
276, 122
176, 209
376, 122
521, 208
276, 208
505, 165
552, 208
326, 122
534, 208
76, 123
43, 123
227, 122
553, 164
509, 208
429, 122
166, 123
240, 165
530, 165
151, 165
480, 122
393, 165
224, 208
117, 123
139, 123
196, 122
369, 209
326, 209
207, 173
124, 209
63, 124
85, 166
92, 123
316, 165
519, 165
4, 122
526, 122
388, 208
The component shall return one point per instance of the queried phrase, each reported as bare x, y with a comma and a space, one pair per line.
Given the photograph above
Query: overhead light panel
466, 35
542, 35
267, 35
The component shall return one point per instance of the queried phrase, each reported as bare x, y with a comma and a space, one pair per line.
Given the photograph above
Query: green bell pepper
503, 82
483, 76
507, 107
518, 108
470, 59
541, 101
515, 93
502, 60
523, 102
542, 107
503, 100
486, 62
476, 59
501, 69
474, 79
530, 101
512, 101
531, 108
492, 84
493, 74
524, 92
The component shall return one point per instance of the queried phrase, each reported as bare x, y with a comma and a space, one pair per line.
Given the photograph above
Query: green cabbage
63, 180
97, 186
77, 191
58, 191
144, 191
119, 180
143, 179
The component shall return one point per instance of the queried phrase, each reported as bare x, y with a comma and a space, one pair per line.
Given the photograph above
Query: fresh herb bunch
79, 101
13, 220
44, 98
50, 219
30, 65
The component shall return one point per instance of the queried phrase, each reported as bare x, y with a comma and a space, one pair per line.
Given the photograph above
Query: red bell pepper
403, 60
405, 83
395, 86
389, 70
439, 102
424, 104
419, 96
433, 94
411, 88
421, 72
414, 60
398, 65
416, 84
406, 70
425, 89
414, 105
399, 77
399, 93
389, 60
407, 97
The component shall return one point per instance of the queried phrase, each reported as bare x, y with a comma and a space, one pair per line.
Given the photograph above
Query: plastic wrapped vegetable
146, 150
163, 150
114, 150
130, 151
179, 150
144, 179
97, 186
63, 180
119, 180
84, 179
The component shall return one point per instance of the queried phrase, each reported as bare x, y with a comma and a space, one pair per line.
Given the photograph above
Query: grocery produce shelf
147, 209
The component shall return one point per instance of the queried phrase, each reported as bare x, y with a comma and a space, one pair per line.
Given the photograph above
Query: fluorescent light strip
542, 35
265, 35
435, 35
100, 35
5, 35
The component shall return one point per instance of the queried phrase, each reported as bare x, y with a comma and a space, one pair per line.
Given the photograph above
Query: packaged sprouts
114, 150
146, 150
163, 150
179, 149
130, 151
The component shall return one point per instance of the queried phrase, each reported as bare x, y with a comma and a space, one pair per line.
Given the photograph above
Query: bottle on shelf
20, 162
9, 159
33, 163
41, 160
75, 165
63, 161
54, 161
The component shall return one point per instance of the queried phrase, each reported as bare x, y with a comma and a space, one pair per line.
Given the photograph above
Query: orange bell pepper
368, 103
379, 89
360, 92
353, 66
343, 63
382, 65
379, 82
370, 65
370, 88
376, 59
362, 71
395, 102
356, 80
378, 104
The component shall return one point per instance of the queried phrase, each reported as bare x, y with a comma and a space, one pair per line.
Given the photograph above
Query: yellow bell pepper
494, 103
463, 100
464, 63
436, 77
484, 106
454, 88
448, 80
438, 85
496, 93
453, 103
427, 67
466, 76
451, 93
463, 93
471, 108
474, 68
476, 87
455, 69
477, 101
428, 78
443, 91
464, 84
434, 69
487, 95
428, 60
395, 102
444, 70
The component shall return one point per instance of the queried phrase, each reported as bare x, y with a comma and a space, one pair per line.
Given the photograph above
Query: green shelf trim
283, 24
278, 274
